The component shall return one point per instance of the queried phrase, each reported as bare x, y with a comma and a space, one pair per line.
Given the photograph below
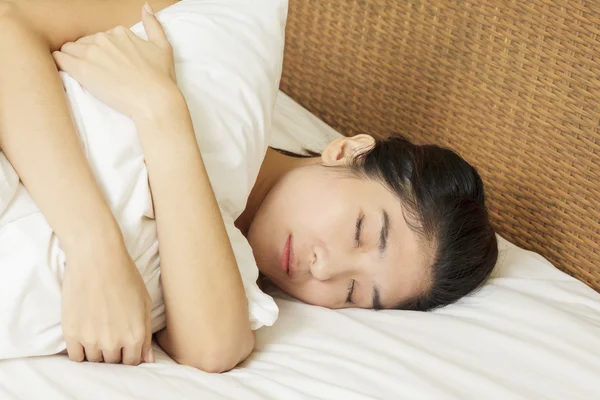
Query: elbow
215, 363
221, 358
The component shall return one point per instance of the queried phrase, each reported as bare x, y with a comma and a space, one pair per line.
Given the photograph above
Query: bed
513, 89
533, 332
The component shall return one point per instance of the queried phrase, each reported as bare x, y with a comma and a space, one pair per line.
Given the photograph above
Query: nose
325, 265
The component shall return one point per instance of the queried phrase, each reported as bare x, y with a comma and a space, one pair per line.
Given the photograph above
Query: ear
342, 150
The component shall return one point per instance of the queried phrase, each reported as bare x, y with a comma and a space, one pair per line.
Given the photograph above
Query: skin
318, 202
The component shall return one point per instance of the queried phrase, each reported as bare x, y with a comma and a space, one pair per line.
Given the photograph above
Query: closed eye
350, 292
359, 225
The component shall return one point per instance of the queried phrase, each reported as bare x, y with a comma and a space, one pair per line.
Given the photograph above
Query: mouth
287, 256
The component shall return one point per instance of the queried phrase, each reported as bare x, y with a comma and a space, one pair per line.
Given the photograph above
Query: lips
287, 256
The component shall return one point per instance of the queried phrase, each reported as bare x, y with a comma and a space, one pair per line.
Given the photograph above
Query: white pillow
228, 57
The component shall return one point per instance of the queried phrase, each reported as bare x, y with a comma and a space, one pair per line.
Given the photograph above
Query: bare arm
36, 131
206, 307
39, 138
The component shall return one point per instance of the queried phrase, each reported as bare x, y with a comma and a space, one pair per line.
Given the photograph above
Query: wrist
93, 239
156, 101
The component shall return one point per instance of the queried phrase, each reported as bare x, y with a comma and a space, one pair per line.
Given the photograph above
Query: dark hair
444, 204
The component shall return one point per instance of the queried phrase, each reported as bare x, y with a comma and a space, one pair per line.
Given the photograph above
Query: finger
112, 356
154, 29
86, 39
147, 352
93, 354
76, 49
118, 31
75, 351
132, 355
68, 63
121, 31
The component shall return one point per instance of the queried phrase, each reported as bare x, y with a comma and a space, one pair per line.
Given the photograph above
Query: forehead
403, 271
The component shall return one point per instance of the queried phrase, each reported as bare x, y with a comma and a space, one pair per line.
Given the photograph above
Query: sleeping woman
378, 224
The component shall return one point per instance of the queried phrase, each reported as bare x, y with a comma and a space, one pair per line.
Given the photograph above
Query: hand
105, 307
119, 68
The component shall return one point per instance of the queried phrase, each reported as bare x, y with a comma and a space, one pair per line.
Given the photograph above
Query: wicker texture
512, 86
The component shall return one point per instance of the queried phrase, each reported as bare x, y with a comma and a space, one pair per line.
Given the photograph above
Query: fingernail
150, 356
148, 8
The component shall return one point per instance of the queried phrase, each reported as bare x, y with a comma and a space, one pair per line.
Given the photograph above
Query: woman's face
334, 240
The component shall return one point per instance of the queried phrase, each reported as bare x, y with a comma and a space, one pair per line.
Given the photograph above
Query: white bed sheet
531, 333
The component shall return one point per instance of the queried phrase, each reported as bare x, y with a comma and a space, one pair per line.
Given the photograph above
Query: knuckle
89, 343
110, 346
110, 343
139, 336
138, 331
101, 38
120, 29
134, 340
66, 46
93, 50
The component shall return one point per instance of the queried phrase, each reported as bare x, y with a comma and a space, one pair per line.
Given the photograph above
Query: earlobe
340, 151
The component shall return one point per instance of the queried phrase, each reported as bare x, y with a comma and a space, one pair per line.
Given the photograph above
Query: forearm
38, 137
206, 306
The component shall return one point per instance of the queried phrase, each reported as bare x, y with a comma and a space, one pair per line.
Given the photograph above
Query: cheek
319, 205
317, 293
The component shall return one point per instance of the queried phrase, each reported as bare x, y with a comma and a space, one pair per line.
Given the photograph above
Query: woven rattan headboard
512, 86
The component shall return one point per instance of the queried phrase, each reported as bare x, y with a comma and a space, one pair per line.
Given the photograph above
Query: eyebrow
385, 232
359, 224
376, 299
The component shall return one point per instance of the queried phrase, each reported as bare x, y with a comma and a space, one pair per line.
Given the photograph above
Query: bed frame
512, 86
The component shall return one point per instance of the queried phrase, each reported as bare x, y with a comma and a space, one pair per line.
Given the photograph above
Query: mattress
532, 332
